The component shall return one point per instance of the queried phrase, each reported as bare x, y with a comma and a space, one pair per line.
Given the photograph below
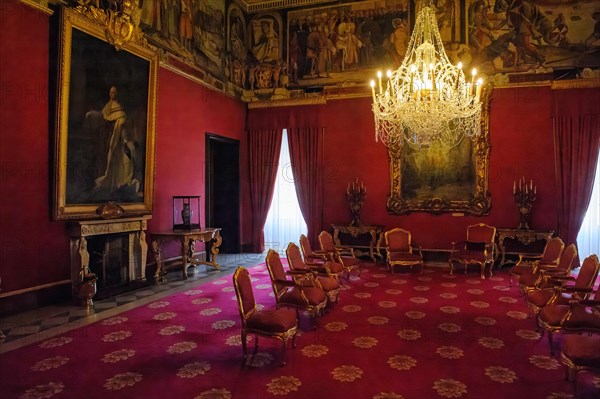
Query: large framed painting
438, 179
105, 130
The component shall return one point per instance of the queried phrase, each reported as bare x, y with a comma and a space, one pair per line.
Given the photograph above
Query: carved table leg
214, 249
185, 248
159, 276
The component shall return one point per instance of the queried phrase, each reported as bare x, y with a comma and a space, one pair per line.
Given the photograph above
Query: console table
363, 236
210, 235
525, 237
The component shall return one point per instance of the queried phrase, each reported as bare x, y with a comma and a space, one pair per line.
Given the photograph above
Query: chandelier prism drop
427, 100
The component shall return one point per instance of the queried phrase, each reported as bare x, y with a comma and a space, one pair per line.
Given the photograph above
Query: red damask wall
522, 144
34, 250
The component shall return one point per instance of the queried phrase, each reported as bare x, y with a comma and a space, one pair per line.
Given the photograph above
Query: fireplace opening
110, 260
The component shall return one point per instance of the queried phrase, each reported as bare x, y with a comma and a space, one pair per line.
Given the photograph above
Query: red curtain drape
264, 142
576, 144
263, 153
306, 153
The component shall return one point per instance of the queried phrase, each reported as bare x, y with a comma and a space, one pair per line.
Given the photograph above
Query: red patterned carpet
406, 335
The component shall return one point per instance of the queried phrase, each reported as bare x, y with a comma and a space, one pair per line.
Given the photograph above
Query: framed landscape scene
105, 122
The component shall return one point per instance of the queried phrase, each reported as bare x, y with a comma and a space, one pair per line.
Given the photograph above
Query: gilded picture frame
105, 119
437, 179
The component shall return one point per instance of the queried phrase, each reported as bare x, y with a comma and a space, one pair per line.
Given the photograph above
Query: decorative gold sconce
525, 194
355, 194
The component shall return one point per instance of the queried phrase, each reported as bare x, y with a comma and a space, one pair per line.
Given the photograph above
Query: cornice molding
41, 5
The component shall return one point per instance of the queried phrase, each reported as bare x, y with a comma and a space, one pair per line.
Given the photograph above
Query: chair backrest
244, 293
481, 232
326, 241
567, 259
305, 246
553, 250
588, 272
276, 273
294, 257
398, 240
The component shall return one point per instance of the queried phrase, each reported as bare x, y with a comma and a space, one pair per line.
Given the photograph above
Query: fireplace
108, 257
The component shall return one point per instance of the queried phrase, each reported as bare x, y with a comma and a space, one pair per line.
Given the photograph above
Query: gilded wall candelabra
355, 194
525, 195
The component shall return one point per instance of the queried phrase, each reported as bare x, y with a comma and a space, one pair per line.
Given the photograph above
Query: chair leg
244, 344
483, 271
284, 360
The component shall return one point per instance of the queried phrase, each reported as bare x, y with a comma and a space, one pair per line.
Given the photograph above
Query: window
284, 222
588, 240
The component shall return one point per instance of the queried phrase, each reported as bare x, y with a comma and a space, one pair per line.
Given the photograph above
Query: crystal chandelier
426, 100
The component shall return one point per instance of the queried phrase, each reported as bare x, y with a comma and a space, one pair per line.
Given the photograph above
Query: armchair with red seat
274, 323
478, 249
542, 272
323, 277
529, 263
295, 292
565, 288
344, 256
318, 257
577, 315
400, 251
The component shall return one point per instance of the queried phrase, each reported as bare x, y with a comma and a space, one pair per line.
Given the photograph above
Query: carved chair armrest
345, 251
418, 248
286, 283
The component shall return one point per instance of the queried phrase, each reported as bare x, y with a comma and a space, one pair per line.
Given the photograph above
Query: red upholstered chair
576, 316
581, 352
528, 263
579, 288
323, 277
477, 250
535, 280
275, 323
318, 257
292, 293
343, 256
400, 251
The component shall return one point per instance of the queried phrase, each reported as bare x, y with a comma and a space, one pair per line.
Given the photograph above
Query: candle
379, 78
458, 73
479, 86
535, 190
531, 184
373, 90
514, 187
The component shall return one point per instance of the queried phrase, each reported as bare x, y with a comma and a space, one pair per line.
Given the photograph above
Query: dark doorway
223, 189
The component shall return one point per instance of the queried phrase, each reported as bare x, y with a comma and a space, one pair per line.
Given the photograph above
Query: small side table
525, 237
187, 238
371, 233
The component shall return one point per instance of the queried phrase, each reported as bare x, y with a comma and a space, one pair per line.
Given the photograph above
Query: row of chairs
564, 303
311, 282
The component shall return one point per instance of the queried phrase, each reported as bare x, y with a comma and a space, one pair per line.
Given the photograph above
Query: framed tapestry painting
105, 130
438, 179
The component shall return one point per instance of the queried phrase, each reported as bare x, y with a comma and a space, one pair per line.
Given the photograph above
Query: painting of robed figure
105, 135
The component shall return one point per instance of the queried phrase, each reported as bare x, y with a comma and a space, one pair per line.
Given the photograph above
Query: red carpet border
406, 335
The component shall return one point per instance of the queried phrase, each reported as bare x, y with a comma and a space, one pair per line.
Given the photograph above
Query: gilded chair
318, 257
400, 251
576, 316
343, 256
543, 272
581, 352
579, 288
293, 293
478, 249
323, 276
528, 263
273, 323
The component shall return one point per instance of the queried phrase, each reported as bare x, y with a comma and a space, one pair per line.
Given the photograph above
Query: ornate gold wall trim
41, 5
314, 100
575, 84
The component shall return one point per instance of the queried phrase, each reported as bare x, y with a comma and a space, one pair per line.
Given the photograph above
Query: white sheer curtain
284, 222
588, 240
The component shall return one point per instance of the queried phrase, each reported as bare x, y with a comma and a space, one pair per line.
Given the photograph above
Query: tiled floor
33, 326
